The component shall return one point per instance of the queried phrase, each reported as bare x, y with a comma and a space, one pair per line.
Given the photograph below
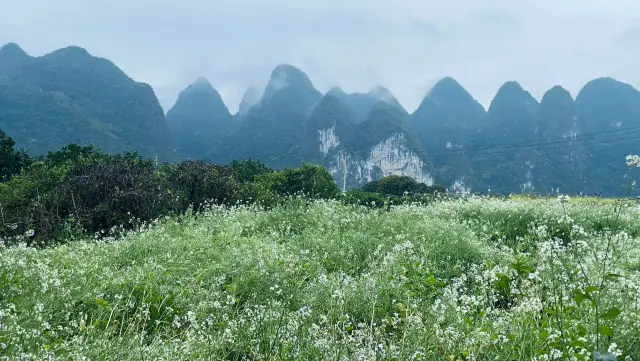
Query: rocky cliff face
392, 156
357, 153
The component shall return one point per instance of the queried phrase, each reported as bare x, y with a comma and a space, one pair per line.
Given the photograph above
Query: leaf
590, 289
613, 276
578, 344
544, 334
579, 297
611, 314
582, 331
605, 330
102, 303
431, 280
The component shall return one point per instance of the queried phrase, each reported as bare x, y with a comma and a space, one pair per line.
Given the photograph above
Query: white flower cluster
472, 279
633, 161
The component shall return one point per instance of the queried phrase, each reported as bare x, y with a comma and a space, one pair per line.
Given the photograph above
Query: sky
403, 45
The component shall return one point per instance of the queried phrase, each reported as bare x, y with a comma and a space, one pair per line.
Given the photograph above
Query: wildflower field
468, 279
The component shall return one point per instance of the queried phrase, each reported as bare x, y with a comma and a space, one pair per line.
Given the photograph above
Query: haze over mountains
518, 144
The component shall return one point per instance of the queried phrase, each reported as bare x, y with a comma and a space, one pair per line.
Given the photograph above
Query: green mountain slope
199, 120
271, 129
70, 96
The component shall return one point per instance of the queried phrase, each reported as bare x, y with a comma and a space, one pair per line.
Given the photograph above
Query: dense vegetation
471, 279
119, 257
79, 191
11, 160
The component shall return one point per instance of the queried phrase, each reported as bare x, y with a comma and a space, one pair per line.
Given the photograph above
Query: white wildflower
633, 161
305, 311
613, 349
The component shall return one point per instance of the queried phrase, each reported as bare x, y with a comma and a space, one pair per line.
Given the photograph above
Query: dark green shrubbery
309, 180
360, 197
396, 185
392, 191
248, 170
11, 160
81, 189
195, 182
117, 191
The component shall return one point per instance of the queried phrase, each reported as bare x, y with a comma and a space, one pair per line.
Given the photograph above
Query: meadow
465, 279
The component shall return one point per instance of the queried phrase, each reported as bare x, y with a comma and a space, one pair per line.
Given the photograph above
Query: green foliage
248, 170
80, 190
396, 185
195, 182
309, 180
12, 161
363, 198
74, 154
118, 192
311, 280
69, 96
40, 201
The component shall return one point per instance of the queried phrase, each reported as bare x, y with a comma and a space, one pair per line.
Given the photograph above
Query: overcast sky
403, 45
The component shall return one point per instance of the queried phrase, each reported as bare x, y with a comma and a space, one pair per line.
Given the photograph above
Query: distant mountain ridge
199, 120
518, 144
70, 96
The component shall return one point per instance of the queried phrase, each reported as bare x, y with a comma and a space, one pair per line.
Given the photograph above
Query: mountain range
519, 144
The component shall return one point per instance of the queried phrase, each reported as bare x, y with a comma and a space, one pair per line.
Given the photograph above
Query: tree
11, 160
311, 180
397, 185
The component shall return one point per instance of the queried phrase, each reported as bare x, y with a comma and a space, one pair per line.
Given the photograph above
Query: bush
27, 202
248, 170
195, 183
113, 193
396, 185
12, 161
362, 198
82, 190
309, 180
34, 206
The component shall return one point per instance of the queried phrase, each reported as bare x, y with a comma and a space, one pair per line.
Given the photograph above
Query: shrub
35, 202
12, 161
80, 189
362, 198
396, 185
27, 202
248, 170
113, 192
309, 180
73, 155
196, 182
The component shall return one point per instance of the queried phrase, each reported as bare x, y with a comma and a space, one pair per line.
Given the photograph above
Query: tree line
80, 191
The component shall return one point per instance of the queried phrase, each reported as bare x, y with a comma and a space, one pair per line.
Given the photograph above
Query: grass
471, 279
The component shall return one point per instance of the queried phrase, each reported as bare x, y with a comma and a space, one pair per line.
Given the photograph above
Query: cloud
404, 45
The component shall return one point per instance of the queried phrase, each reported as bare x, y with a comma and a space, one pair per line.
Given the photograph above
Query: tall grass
470, 279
